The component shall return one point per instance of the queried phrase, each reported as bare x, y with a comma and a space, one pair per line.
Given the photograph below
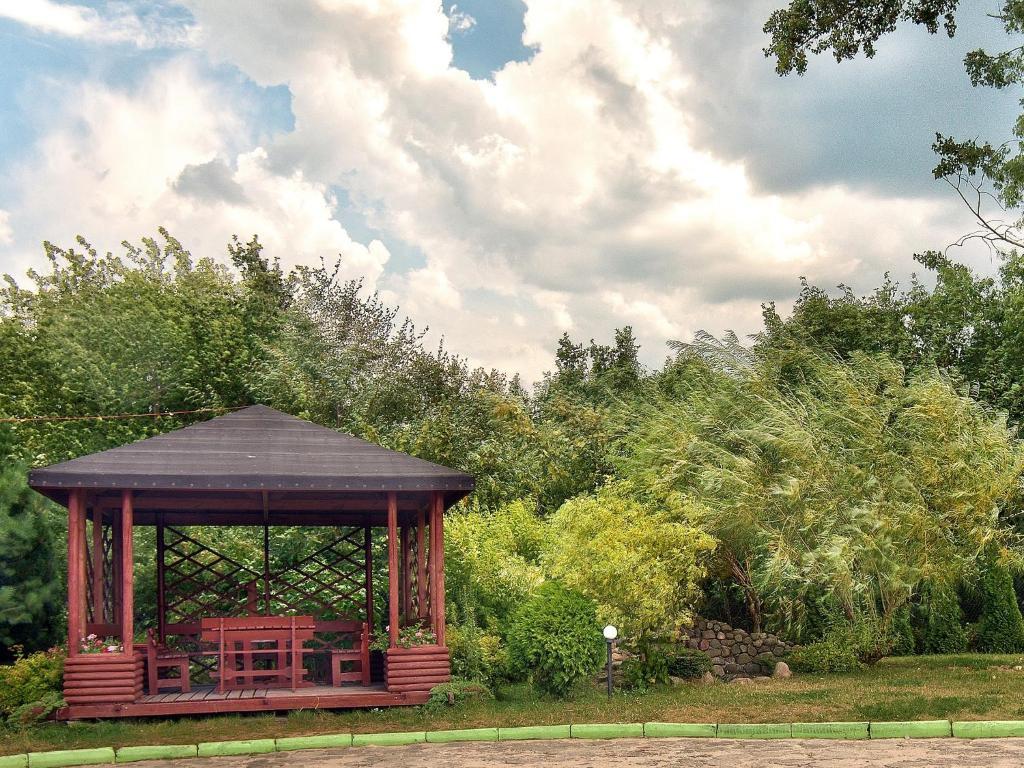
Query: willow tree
829, 485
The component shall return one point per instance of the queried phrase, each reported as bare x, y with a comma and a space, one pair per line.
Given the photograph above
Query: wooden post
437, 566
266, 554
393, 569
421, 565
439, 521
116, 570
76, 570
368, 557
127, 574
406, 576
98, 614
161, 598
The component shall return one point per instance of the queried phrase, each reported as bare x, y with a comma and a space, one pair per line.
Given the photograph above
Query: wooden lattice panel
199, 581
329, 583
107, 539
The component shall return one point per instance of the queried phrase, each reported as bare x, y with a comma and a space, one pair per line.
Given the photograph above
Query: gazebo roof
256, 448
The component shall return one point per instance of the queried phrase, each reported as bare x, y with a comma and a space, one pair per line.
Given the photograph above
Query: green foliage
456, 693
477, 655
823, 657
555, 639
688, 663
830, 485
31, 594
31, 682
903, 642
943, 630
647, 668
847, 646
492, 560
1001, 627
641, 565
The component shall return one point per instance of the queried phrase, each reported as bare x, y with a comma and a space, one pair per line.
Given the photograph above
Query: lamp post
610, 633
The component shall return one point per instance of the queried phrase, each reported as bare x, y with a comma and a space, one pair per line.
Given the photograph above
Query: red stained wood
76, 570
127, 572
97, 567
393, 568
421, 565
406, 576
439, 504
417, 649
368, 588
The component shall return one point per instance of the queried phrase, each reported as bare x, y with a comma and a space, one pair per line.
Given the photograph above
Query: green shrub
1001, 627
828, 655
555, 639
688, 663
943, 628
476, 655
648, 667
31, 681
902, 633
456, 693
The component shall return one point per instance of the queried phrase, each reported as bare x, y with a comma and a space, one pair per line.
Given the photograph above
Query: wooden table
276, 638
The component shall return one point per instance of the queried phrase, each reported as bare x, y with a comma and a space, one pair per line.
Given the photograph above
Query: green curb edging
911, 729
681, 730
163, 752
246, 747
754, 730
465, 734
527, 732
322, 741
829, 730
64, 757
987, 729
607, 731
388, 739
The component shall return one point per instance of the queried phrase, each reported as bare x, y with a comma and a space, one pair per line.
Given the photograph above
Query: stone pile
735, 652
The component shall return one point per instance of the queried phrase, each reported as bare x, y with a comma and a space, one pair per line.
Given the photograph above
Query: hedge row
860, 730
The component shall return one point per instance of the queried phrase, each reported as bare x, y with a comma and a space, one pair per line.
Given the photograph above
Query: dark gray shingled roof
256, 448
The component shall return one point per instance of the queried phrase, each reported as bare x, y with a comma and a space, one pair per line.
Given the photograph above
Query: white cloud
118, 24
113, 169
567, 194
6, 233
460, 22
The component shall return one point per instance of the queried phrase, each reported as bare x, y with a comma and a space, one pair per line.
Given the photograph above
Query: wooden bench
358, 655
237, 640
159, 656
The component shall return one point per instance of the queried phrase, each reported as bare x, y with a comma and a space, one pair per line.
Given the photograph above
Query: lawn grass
967, 687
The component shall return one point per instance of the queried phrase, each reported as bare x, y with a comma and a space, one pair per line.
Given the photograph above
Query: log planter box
103, 678
417, 669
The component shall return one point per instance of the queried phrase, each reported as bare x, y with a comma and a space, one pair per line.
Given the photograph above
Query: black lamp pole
609, 642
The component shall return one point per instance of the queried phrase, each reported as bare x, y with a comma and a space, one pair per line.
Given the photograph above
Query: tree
976, 171
830, 486
642, 566
1001, 627
31, 590
943, 628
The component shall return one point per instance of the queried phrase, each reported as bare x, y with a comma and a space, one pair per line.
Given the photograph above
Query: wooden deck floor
205, 699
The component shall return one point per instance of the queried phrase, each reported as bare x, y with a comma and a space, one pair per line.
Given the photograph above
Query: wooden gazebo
233, 634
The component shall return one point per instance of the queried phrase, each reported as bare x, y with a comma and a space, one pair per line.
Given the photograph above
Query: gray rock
676, 680
718, 670
741, 681
782, 670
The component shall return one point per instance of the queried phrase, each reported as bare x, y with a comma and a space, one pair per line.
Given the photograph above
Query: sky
503, 171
